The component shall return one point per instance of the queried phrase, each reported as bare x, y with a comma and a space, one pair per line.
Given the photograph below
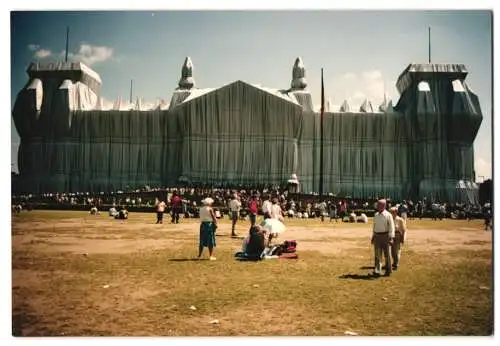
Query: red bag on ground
289, 256
290, 246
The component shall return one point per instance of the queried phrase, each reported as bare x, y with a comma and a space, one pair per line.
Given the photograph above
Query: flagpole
322, 115
67, 44
429, 45
131, 83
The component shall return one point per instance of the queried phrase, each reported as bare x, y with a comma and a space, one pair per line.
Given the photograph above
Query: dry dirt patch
103, 235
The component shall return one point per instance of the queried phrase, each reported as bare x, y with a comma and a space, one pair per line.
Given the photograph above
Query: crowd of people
389, 226
253, 201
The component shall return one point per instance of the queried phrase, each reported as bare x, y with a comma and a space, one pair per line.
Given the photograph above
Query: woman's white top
205, 215
275, 211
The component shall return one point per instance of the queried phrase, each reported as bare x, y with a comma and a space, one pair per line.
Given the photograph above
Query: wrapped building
245, 134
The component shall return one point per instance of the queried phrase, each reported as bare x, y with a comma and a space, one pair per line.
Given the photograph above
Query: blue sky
362, 52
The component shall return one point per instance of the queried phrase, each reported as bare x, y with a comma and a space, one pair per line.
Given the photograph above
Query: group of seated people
354, 218
121, 214
257, 246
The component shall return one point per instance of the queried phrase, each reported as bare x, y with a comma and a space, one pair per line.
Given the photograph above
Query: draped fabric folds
241, 134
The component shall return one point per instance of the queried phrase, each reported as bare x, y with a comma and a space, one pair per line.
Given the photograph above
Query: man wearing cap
382, 237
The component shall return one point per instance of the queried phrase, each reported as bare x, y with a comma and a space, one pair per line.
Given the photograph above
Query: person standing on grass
382, 238
333, 212
252, 209
275, 211
400, 237
266, 207
403, 210
160, 209
322, 210
176, 204
487, 216
234, 207
208, 227
343, 210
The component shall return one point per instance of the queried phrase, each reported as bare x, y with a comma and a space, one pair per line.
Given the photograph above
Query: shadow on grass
359, 276
187, 259
229, 236
370, 267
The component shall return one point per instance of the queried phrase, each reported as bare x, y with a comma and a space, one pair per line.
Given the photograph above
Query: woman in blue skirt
207, 228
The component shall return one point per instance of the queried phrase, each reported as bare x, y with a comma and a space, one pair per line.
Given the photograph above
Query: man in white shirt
382, 238
266, 207
234, 207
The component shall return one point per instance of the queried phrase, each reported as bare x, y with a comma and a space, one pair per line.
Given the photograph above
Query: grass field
74, 274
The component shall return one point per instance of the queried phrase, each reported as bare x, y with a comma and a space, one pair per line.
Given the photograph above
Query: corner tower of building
442, 117
53, 90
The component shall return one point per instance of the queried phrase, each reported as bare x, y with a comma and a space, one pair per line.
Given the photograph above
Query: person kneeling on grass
208, 227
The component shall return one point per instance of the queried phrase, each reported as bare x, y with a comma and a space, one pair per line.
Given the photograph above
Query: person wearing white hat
382, 238
208, 227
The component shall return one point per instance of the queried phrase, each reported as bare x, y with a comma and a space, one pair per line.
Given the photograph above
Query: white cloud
349, 77
42, 53
355, 88
483, 169
90, 55
358, 96
372, 75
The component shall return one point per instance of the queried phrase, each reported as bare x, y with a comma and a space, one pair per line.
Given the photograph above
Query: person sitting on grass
362, 218
256, 243
352, 217
122, 214
113, 212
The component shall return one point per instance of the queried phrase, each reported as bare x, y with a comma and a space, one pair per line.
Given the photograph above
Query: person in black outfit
256, 243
